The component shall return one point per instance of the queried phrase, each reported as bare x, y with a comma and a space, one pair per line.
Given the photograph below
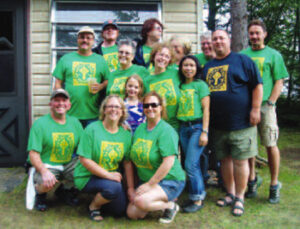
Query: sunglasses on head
153, 105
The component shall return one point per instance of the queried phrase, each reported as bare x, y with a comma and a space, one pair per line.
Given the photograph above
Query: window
68, 16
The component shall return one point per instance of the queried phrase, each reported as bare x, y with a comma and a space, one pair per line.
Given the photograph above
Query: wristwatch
270, 103
205, 131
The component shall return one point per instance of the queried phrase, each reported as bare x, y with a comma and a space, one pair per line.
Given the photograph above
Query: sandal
238, 207
225, 201
94, 214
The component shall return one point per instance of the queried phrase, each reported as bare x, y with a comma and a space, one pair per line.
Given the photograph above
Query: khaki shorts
239, 144
66, 174
268, 128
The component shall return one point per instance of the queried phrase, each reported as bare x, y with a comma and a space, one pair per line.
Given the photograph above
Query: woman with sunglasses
165, 80
193, 113
101, 150
116, 82
154, 152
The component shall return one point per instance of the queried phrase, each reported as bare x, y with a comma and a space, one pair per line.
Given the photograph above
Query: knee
131, 212
112, 191
141, 203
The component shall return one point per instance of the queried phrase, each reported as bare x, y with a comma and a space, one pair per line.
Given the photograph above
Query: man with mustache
84, 74
272, 69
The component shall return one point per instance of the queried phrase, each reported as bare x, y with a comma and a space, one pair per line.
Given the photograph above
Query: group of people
155, 97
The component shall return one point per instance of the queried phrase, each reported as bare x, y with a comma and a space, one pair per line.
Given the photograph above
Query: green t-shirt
146, 55
202, 59
75, 70
116, 83
270, 65
110, 55
149, 148
189, 107
166, 84
102, 147
55, 142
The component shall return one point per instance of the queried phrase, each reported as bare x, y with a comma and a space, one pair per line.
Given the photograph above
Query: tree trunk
239, 21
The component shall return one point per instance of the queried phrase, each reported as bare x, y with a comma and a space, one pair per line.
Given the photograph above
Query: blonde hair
161, 101
184, 42
104, 103
157, 48
141, 85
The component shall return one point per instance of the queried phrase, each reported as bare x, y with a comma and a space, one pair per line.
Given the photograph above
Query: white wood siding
40, 56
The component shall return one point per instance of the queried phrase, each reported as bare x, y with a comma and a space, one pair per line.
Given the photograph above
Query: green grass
258, 212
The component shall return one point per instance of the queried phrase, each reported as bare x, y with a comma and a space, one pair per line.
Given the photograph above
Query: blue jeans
110, 190
189, 139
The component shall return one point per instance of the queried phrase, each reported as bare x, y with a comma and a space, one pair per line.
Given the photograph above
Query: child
134, 89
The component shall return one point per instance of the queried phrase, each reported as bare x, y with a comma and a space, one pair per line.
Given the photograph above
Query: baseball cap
110, 22
60, 91
86, 29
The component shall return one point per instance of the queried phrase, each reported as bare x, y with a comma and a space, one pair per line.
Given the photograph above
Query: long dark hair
198, 68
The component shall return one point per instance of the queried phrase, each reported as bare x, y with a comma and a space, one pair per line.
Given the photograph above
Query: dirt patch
293, 157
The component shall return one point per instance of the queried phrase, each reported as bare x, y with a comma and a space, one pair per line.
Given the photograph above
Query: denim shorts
173, 188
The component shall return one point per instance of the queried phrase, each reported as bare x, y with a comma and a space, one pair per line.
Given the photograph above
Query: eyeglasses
113, 106
157, 28
82, 37
124, 53
148, 105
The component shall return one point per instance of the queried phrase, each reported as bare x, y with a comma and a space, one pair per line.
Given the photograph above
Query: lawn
258, 212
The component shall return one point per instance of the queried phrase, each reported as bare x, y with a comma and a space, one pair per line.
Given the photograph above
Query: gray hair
206, 36
128, 42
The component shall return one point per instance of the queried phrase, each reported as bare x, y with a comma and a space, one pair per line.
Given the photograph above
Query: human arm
58, 84
129, 171
160, 173
49, 179
205, 102
96, 87
98, 171
276, 91
257, 94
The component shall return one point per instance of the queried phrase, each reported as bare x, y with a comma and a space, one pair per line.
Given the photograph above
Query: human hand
254, 116
143, 189
95, 88
203, 140
115, 176
49, 179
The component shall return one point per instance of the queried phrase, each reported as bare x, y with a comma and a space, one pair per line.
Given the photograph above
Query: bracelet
270, 103
205, 131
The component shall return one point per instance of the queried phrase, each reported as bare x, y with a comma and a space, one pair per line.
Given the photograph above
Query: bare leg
252, 169
241, 174
227, 175
274, 163
96, 203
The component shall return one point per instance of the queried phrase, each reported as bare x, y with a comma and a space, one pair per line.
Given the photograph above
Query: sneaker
169, 214
40, 202
274, 197
253, 186
67, 196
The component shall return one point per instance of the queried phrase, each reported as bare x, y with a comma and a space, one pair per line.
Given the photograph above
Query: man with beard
272, 69
84, 74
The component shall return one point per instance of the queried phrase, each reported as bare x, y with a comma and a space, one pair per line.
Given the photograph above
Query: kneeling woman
101, 149
154, 152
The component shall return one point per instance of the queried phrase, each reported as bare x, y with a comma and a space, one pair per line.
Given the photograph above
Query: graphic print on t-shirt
111, 60
186, 107
165, 88
62, 147
259, 61
81, 71
141, 152
111, 154
216, 78
119, 85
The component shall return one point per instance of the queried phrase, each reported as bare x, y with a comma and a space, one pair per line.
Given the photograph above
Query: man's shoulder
42, 121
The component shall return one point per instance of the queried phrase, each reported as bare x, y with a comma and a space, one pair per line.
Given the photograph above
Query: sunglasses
153, 105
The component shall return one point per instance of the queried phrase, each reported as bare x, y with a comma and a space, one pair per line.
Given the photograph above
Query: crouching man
52, 141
